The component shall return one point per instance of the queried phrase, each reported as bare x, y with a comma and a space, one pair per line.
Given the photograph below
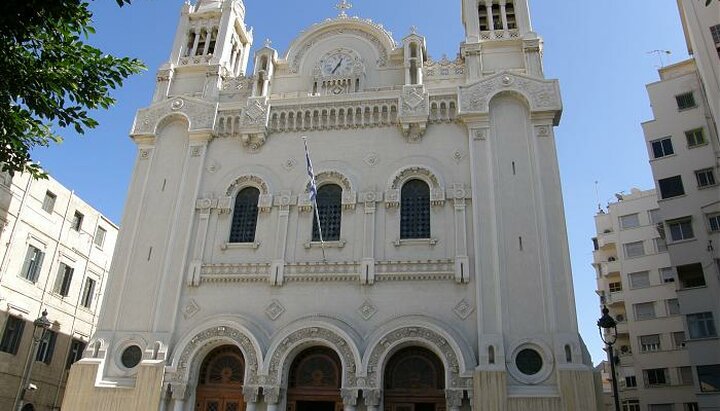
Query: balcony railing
499, 34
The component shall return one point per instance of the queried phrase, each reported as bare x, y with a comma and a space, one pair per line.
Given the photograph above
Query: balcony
615, 298
609, 267
606, 239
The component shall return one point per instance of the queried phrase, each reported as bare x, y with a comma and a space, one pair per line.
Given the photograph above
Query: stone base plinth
82, 394
576, 388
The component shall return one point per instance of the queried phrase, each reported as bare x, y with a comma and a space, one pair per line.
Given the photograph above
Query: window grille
245, 216
685, 101
329, 207
415, 210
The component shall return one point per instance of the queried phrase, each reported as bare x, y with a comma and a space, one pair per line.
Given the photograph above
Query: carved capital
349, 396
272, 394
372, 397
454, 398
178, 391
251, 393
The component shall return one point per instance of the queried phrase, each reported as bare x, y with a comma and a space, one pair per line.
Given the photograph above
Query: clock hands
338, 66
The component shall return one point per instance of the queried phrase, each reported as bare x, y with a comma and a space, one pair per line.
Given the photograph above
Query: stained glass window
415, 210
245, 216
329, 207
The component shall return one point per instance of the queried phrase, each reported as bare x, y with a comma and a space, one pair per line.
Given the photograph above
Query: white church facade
443, 279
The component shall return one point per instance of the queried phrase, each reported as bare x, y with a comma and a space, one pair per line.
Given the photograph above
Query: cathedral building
431, 272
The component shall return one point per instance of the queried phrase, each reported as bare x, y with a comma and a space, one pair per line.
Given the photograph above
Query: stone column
349, 397
488, 8
454, 399
372, 399
198, 33
251, 394
178, 396
503, 15
272, 397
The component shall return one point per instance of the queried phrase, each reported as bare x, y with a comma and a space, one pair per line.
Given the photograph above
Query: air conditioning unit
625, 349
620, 318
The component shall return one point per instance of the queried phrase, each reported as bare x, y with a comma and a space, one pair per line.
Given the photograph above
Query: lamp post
42, 324
608, 324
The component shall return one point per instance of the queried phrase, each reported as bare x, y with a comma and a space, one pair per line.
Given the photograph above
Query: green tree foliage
49, 77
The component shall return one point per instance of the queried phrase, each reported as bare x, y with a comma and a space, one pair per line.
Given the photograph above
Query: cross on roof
344, 6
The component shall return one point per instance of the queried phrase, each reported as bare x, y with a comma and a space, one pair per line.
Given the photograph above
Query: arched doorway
414, 381
314, 381
221, 381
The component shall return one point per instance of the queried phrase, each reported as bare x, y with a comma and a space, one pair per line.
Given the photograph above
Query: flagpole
313, 195
322, 242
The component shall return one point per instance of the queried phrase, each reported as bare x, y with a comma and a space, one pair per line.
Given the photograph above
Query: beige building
701, 25
638, 284
684, 151
443, 281
56, 251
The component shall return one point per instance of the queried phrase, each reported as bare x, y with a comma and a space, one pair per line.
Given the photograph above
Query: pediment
200, 115
540, 95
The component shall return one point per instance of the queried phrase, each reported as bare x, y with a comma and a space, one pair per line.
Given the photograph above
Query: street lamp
609, 337
41, 324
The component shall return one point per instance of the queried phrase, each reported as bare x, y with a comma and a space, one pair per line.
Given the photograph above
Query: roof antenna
597, 197
659, 54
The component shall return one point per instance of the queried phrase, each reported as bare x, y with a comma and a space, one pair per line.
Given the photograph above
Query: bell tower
498, 37
211, 39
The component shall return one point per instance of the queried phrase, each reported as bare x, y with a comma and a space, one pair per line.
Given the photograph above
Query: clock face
337, 64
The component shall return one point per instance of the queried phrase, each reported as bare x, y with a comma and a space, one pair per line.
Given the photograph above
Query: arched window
245, 216
329, 207
414, 380
415, 210
221, 381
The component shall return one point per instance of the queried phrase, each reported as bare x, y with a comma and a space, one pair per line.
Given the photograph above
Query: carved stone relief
543, 95
247, 180
420, 334
188, 365
297, 58
279, 364
200, 114
415, 171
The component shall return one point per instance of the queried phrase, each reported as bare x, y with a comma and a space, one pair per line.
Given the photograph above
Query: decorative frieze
200, 114
542, 95
444, 68
422, 270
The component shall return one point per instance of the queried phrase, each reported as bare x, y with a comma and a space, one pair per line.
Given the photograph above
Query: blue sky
597, 49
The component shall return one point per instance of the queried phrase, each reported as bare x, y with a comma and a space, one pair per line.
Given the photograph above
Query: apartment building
684, 151
636, 281
55, 252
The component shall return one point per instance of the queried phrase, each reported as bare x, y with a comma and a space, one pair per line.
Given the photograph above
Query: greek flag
311, 173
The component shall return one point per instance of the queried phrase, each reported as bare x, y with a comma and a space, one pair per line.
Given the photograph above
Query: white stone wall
495, 272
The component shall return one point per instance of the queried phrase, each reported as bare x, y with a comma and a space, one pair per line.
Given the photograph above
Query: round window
529, 362
131, 356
